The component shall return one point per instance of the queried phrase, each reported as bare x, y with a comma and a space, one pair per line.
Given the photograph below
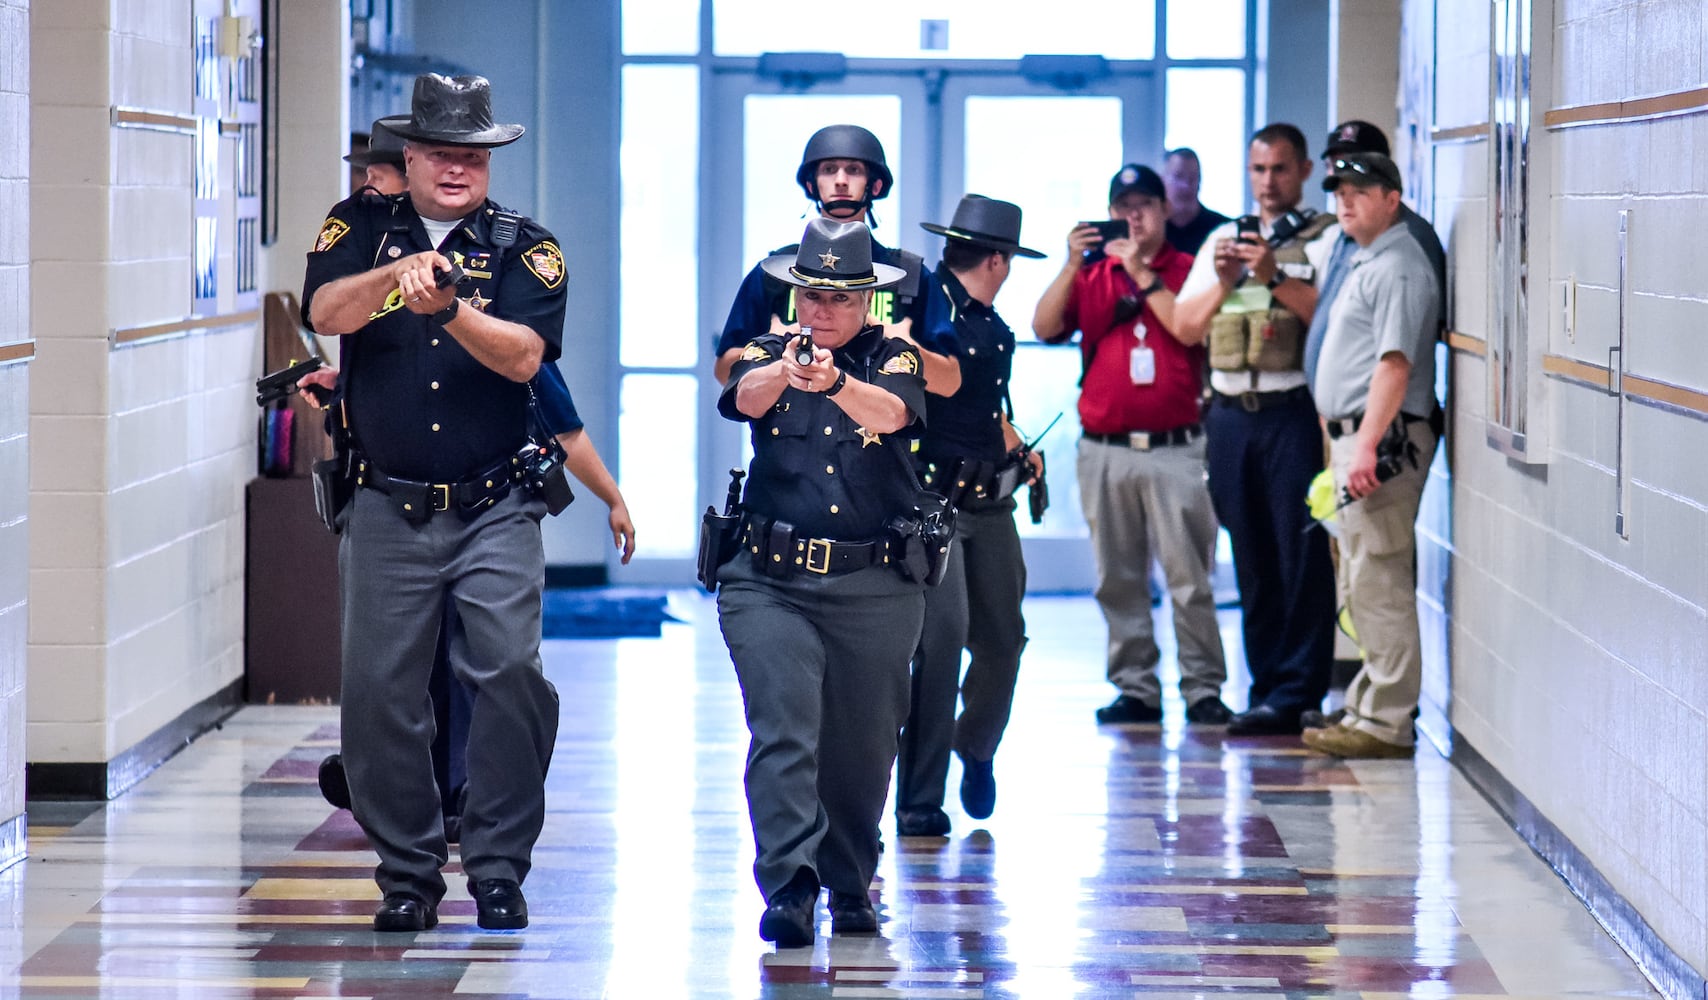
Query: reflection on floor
1141, 862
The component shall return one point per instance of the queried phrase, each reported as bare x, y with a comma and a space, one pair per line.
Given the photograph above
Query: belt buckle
818, 556
1139, 440
1249, 402
441, 496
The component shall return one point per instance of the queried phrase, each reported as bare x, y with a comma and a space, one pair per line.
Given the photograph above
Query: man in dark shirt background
1189, 222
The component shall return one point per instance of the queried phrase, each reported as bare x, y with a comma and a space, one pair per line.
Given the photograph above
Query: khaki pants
1378, 575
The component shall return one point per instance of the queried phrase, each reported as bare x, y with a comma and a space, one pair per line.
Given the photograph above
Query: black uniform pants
396, 580
976, 608
823, 666
1261, 465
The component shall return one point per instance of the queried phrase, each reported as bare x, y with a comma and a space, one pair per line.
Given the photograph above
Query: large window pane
658, 454
955, 29
660, 158
1003, 137
1207, 29
777, 128
661, 27
1206, 111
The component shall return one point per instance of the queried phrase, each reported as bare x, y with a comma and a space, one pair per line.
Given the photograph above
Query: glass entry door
945, 134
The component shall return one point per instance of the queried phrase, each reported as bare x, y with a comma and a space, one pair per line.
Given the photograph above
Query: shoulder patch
753, 352
331, 231
546, 261
905, 363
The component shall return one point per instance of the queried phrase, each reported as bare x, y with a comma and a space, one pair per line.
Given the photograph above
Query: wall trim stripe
155, 121
1467, 343
1461, 133
1665, 968
1640, 388
16, 351
178, 328
98, 780
1682, 102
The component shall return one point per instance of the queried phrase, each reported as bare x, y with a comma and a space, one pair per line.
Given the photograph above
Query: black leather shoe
788, 918
499, 904
1320, 720
1208, 712
978, 788
1127, 708
1264, 720
852, 913
334, 786
402, 911
922, 823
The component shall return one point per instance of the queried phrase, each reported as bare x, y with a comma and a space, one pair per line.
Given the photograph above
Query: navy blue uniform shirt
420, 406
557, 409
814, 467
762, 296
969, 423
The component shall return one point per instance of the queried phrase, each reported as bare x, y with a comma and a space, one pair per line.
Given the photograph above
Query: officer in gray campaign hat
819, 619
972, 454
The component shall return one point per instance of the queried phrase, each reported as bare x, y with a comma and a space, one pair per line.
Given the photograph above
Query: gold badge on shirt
905, 363
331, 231
546, 261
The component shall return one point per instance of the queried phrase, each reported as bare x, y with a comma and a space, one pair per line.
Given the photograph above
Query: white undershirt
437, 231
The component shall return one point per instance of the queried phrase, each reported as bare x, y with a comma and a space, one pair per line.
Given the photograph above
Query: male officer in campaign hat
381, 163
819, 619
436, 398
970, 453
843, 171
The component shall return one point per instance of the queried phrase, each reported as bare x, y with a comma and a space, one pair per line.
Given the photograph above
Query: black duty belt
1344, 426
1251, 402
417, 500
1146, 440
777, 551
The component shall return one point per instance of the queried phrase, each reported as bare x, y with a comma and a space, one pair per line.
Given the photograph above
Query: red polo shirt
1109, 402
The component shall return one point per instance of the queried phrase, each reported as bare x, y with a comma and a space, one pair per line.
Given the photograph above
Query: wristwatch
1155, 286
1275, 282
836, 387
448, 313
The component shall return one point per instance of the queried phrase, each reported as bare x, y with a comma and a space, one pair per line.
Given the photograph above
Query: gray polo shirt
1389, 302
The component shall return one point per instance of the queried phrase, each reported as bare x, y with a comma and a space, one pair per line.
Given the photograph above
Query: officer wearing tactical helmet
843, 171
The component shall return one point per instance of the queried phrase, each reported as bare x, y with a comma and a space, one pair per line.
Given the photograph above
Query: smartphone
1248, 229
1109, 229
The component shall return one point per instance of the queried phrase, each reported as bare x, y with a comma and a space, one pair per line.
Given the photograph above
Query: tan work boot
1344, 741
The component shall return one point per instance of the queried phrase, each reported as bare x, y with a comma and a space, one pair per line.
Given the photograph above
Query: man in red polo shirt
1141, 459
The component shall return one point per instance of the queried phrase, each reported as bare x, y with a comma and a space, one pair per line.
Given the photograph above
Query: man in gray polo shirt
1374, 387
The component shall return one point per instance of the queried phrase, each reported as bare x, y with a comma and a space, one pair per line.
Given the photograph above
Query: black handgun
277, 385
446, 278
804, 347
720, 534
1038, 493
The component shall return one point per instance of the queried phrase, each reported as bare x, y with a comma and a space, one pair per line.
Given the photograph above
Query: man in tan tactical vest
1251, 295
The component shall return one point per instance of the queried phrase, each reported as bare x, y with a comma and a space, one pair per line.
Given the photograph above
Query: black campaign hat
1355, 136
834, 255
453, 111
985, 222
1134, 177
1363, 170
384, 145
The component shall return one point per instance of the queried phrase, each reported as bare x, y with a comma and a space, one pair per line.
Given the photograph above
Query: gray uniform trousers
823, 666
396, 579
976, 607
1132, 497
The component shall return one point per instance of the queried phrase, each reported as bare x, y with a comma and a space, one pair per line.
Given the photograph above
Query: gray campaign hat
454, 111
384, 145
985, 222
835, 255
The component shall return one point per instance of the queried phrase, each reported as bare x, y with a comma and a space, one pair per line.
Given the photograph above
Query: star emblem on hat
828, 259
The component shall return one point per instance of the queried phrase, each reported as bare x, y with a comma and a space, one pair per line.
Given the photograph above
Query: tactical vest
1266, 340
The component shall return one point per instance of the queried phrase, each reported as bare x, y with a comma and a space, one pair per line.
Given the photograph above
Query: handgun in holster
335, 478
720, 534
1038, 493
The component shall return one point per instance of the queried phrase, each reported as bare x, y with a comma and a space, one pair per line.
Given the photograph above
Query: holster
334, 485
924, 540
720, 536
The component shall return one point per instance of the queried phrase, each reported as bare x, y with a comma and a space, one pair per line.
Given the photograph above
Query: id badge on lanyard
1141, 363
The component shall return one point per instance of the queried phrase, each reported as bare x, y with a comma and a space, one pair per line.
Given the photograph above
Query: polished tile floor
1136, 862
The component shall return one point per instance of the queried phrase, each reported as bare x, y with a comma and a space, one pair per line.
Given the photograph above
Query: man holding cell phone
1141, 458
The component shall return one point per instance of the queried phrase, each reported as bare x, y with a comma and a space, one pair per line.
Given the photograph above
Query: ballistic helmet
844, 142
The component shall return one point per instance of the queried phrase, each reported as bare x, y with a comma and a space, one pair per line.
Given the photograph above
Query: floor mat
602, 613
